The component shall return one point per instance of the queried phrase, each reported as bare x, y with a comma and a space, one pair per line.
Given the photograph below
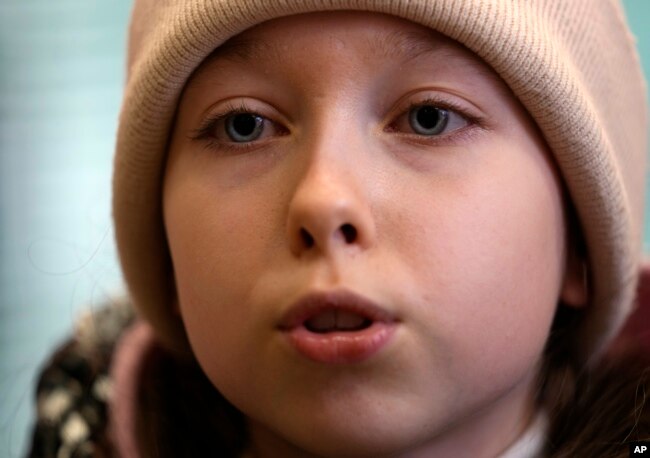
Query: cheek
488, 257
209, 242
218, 249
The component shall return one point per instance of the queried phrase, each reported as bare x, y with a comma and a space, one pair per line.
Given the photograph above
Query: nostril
306, 238
349, 232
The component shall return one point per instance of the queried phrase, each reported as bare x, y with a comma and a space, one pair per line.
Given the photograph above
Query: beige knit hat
572, 63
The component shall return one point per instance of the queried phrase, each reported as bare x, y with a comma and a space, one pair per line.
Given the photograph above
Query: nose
329, 213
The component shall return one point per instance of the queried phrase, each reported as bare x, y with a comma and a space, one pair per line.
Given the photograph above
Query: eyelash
205, 131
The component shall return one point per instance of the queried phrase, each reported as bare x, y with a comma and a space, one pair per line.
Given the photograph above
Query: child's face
354, 177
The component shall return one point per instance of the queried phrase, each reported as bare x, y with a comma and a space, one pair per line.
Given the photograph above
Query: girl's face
368, 239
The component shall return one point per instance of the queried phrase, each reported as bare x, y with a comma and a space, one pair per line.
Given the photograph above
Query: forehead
380, 36
386, 37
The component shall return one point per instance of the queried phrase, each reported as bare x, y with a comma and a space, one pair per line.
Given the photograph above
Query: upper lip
314, 303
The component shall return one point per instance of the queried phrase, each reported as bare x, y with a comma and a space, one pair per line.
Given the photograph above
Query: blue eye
244, 127
428, 120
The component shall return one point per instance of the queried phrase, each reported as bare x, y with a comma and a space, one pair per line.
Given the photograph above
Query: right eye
237, 127
244, 127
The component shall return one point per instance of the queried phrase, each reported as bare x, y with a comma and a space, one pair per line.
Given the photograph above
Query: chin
349, 434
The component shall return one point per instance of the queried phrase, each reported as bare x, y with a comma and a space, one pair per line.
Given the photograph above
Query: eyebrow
413, 45
399, 44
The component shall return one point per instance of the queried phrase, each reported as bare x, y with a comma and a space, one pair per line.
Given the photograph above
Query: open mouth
331, 320
337, 327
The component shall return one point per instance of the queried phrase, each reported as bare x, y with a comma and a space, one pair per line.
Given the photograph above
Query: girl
351, 228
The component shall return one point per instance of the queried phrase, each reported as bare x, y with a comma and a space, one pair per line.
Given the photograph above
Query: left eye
429, 121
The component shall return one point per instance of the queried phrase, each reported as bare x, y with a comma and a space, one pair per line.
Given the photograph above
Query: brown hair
597, 411
181, 414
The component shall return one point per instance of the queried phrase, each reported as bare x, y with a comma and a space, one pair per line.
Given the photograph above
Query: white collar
531, 443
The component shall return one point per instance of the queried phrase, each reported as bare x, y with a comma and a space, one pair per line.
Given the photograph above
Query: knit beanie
571, 63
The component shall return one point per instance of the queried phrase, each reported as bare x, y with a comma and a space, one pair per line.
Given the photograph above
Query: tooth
347, 320
324, 321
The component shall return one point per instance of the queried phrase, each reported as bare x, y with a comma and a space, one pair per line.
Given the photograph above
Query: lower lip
341, 347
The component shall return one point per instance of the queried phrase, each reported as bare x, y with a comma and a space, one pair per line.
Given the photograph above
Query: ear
574, 292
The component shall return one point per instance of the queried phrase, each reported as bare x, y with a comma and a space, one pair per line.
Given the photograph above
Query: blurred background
61, 75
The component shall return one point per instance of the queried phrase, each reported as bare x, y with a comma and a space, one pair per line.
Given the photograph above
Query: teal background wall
638, 16
61, 73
